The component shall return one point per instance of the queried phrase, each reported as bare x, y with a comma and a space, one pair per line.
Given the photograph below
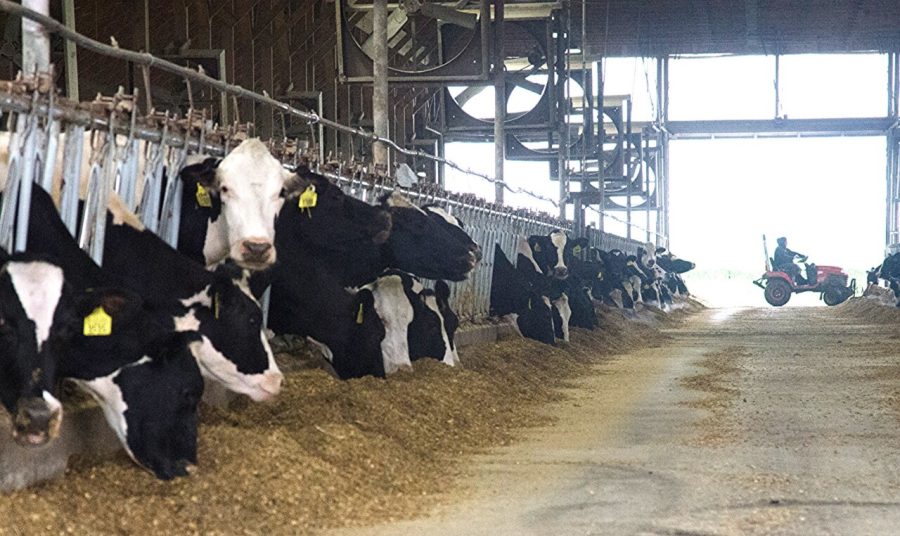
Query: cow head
646, 256
422, 244
246, 191
321, 214
235, 352
554, 252
431, 334
33, 325
671, 263
455, 228
151, 404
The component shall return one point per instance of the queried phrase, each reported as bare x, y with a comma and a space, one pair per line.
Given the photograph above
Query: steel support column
499, 99
35, 41
380, 116
562, 103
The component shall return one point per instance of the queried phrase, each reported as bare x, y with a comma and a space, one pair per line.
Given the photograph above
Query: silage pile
877, 305
331, 453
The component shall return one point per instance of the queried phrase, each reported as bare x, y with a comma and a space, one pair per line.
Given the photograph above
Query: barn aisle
751, 421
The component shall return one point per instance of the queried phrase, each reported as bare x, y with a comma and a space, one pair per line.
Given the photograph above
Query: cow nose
476, 250
271, 382
561, 272
257, 250
36, 422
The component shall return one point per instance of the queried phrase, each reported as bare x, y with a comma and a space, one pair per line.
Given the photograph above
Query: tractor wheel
835, 294
778, 292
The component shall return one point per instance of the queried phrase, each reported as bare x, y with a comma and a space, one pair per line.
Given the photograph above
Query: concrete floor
752, 421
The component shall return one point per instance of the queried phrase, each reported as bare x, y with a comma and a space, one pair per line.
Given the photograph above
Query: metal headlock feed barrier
127, 152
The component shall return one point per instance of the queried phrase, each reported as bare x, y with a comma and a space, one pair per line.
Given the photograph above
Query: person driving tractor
784, 260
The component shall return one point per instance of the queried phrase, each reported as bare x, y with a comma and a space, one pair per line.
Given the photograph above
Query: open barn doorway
826, 195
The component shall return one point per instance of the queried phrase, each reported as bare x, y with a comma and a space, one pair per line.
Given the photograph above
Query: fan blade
448, 14
527, 85
468, 94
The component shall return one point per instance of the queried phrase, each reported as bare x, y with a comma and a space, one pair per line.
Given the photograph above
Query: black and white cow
418, 322
34, 319
230, 204
890, 272
181, 294
145, 378
550, 256
521, 296
217, 304
674, 268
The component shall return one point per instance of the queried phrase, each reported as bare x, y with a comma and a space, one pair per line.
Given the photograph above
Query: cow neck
47, 234
150, 267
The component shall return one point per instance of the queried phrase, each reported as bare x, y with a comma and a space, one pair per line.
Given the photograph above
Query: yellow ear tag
537, 248
98, 323
216, 300
359, 315
576, 250
308, 198
600, 275
203, 199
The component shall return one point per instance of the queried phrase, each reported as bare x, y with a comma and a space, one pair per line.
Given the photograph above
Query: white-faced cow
230, 204
33, 324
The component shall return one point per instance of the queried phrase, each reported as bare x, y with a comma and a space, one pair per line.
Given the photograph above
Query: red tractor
831, 281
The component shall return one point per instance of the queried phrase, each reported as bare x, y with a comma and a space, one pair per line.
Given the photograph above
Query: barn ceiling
675, 27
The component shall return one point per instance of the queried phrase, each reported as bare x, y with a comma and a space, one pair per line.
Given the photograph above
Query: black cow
515, 293
454, 227
425, 244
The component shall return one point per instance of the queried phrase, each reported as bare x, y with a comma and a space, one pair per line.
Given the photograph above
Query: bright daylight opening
826, 195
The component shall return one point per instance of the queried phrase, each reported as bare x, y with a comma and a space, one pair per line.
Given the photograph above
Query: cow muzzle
476, 252
256, 254
560, 272
268, 386
36, 422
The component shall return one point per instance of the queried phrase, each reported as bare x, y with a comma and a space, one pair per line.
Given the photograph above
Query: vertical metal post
35, 42
777, 86
562, 70
380, 82
601, 139
71, 52
499, 99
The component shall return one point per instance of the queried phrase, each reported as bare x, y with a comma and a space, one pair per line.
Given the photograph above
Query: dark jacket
783, 256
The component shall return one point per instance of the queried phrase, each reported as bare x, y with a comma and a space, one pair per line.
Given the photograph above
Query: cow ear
295, 183
580, 242
365, 305
116, 302
228, 271
203, 173
442, 290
